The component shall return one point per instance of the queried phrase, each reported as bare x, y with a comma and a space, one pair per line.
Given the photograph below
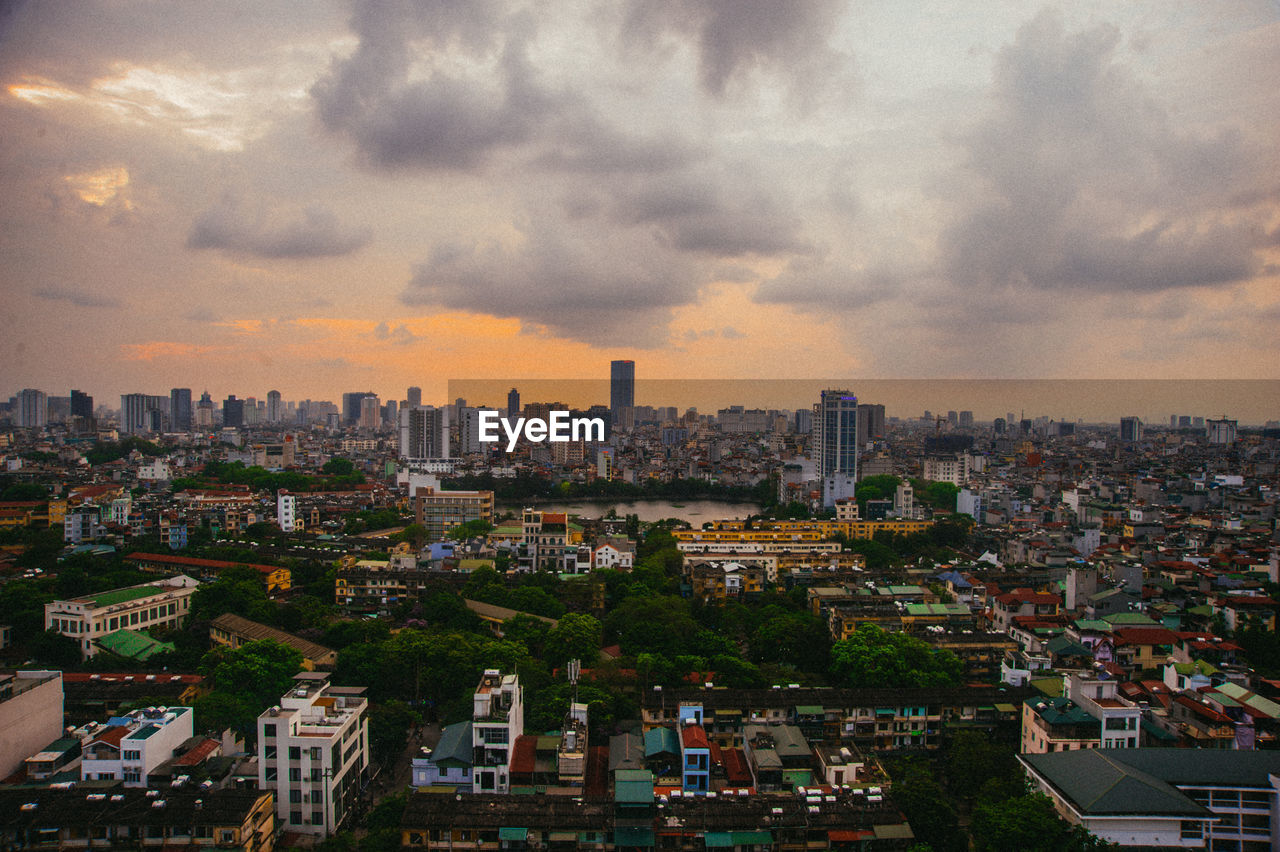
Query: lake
695, 512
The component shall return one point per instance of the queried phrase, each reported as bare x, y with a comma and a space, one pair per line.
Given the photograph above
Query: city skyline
221, 196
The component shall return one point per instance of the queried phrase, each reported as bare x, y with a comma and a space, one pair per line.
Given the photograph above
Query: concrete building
287, 511
33, 409
448, 765
424, 432
163, 604
622, 388
835, 444
441, 511
497, 721
30, 715
1130, 429
1167, 798
1221, 432
127, 748
313, 750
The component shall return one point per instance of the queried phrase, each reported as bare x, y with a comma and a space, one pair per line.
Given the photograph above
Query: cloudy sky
323, 196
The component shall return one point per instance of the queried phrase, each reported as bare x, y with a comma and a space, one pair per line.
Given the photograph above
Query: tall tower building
141, 412
622, 387
1130, 429
424, 433
835, 444
33, 408
81, 405
513, 403
275, 407
351, 403
204, 411
233, 411
180, 412
414, 397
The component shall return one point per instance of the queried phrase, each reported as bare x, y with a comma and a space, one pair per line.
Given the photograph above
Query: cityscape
640, 426
282, 623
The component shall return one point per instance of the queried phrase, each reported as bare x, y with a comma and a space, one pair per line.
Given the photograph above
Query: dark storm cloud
1087, 183
734, 37
611, 290
313, 233
78, 298
823, 284
714, 216
447, 120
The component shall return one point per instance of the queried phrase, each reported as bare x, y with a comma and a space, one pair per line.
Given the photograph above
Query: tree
337, 466
1028, 823
575, 636
237, 590
261, 670
880, 487
872, 657
52, 649
389, 724
925, 805
469, 529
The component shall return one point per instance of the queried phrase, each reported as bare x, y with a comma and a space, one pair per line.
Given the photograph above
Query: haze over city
224, 195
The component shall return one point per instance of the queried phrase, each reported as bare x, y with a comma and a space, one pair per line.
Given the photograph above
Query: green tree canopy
873, 657
575, 636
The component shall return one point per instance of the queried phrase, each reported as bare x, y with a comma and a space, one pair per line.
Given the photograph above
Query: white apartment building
162, 604
286, 511
497, 720
128, 748
1120, 720
313, 751
954, 470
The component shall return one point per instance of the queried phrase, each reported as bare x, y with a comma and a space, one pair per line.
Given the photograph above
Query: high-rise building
351, 406
835, 444
622, 387
181, 417
81, 405
1221, 432
233, 411
141, 412
1130, 429
414, 397
966, 419
370, 413
870, 422
275, 407
204, 411
33, 408
424, 433
513, 403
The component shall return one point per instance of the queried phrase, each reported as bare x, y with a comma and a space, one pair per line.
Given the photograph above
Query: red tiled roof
736, 770
197, 755
524, 755
111, 735
693, 736
1144, 636
195, 562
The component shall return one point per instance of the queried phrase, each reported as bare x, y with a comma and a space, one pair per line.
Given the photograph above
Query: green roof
1051, 686
133, 645
1130, 618
118, 596
1092, 624
633, 786
1098, 783
454, 745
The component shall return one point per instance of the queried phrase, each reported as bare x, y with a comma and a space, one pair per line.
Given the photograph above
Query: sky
327, 197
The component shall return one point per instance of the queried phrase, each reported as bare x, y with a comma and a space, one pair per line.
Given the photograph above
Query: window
295, 817
295, 753
131, 755
317, 817
269, 752
132, 776
270, 773
269, 730
295, 796
295, 774
315, 752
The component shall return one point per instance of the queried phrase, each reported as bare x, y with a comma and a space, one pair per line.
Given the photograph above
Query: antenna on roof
575, 668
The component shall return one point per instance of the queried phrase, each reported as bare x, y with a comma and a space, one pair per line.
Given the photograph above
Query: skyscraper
414, 397
424, 433
275, 407
1130, 429
622, 387
351, 406
233, 411
81, 404
835, 444
513, 402
32, 409
180, 412
142, 412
